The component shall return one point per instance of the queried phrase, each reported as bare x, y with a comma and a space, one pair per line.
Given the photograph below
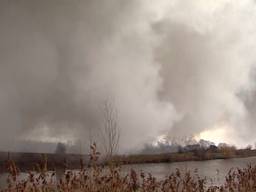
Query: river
213, 170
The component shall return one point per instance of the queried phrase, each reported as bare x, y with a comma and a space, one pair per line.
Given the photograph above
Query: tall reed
96, 178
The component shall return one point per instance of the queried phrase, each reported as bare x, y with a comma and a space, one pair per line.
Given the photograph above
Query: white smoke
207, 54
176, 67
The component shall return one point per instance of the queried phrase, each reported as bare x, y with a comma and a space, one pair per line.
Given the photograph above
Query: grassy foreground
95, 178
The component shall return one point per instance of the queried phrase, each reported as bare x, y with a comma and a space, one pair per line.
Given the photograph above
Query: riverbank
234, 175
184, 156
30, 161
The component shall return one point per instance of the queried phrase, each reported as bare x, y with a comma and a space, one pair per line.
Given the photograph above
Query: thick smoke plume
170, 67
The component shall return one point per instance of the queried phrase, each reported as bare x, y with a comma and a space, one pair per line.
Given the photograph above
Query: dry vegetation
224, 152
95, 178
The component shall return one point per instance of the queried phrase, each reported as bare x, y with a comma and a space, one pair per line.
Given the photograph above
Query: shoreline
181, 157
32, 161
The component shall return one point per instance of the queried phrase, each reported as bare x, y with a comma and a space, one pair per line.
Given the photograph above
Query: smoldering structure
175, 68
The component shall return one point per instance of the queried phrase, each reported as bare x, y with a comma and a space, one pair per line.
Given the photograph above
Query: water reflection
213, 170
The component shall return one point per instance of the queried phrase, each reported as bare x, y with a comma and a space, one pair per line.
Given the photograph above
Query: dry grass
95, 178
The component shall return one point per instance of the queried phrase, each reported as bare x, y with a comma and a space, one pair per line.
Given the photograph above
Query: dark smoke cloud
170, 67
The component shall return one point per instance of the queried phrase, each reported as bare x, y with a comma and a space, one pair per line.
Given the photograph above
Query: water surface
213, 170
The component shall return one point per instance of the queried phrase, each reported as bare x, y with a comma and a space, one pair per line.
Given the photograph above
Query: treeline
194, 152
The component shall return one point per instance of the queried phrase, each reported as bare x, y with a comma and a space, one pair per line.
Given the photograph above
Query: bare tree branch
110, 131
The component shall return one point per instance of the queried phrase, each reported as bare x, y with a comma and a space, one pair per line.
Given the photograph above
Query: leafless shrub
110, 131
